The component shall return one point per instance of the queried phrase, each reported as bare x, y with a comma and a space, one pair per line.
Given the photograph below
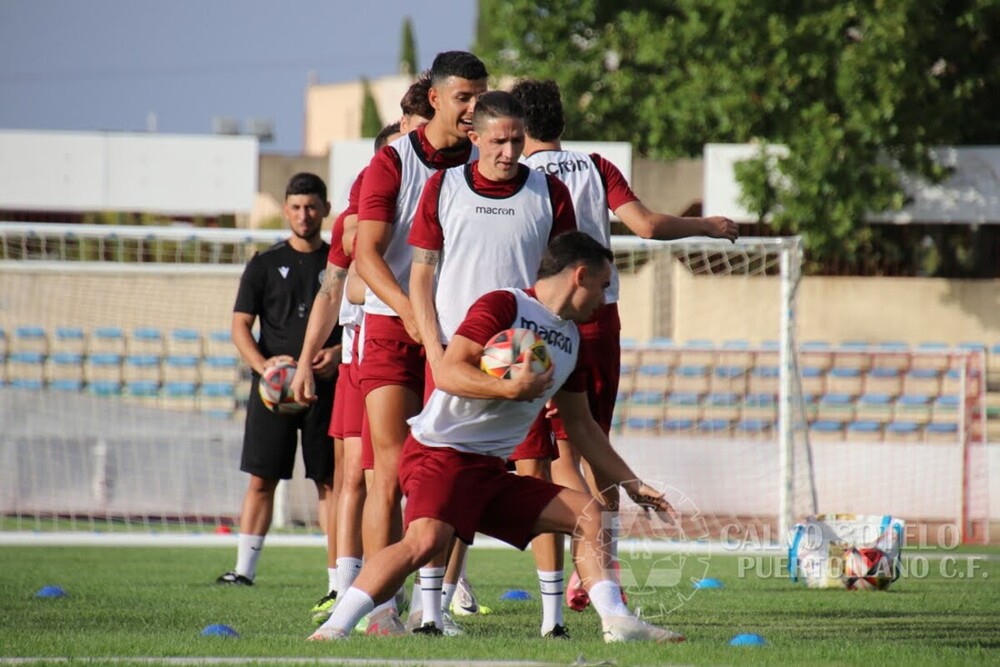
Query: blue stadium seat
652, 377
66, 384
26, 369
729, 378
874, 407
932, 355
827, 429
884, 380
913, 408
760, 407
905, 431
146, 341
104, 388
836, 407
714, 426
677, 426
845, 380
184, 342
107, 340
217, 399
754, 426
641, 426
69, 339
723, 406
813, 380
689, 378
864, 429
684, 405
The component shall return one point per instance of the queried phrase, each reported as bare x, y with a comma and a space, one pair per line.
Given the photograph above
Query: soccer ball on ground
276, 389
867, 569
508, 349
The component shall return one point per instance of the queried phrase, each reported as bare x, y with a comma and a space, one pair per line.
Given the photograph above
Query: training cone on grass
516, 594
50, 592
748, 639
219, 630
708, 583
223, 529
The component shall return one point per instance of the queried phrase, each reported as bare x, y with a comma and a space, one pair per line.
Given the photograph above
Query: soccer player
392, 368
279, 287
452, 468
481, 227
597, 187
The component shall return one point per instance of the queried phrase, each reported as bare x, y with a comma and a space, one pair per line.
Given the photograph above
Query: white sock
351, 608
551, 585
416, 599
347, 572
606, 596
331, 579
247, 553
430, 591
447, 593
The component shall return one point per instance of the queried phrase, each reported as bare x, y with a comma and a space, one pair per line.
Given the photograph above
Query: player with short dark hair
453, 464
278, 288
597, 187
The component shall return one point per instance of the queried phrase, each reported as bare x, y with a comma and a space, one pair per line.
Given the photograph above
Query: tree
855, 90
408, 50
371, 122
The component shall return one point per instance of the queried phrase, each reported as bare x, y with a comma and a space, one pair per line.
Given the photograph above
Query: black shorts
270, 440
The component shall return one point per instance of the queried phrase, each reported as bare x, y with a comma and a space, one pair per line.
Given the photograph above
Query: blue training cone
747, 639
516, 594
219, 630
708, 583
50, 592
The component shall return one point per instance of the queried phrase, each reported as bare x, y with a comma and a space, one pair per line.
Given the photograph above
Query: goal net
751, 430
122, 398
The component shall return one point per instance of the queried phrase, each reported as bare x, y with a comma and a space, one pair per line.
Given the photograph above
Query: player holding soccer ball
278, 288
452, 468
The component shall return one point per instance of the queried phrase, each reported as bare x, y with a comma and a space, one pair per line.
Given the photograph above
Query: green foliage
408, 50
855, 90
146, 604
371, 122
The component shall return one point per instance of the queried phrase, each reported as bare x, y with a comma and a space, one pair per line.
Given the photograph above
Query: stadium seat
903, 432
223, 369
922, 381
661, 351
697, 352
64, 366
641, 426
768, 353
104, 388
184, 342
914, 408
646, 404
722, 406
626, 378
754, 427
29, 338
179, 395
652, 377
107, 340
836, 407
874, 407
69, 340
826, 429
684, 405
736, 354
810, 404
882, 380
66, 384
936, 432
630, 352
714, 426
103, 367
759, 407
616, 420
844, 380
727, 379
864, 430
816, 354
946, 408
181, 368
25, 369
145, 341
143, 392
142, 368
813, 380
691, 379
852, 354
764, 380
218, 343
217, 399
891, 354
951, 382
676, 426
931, 355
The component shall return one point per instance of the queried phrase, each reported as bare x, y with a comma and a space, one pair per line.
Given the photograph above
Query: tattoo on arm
330, 280
424, 256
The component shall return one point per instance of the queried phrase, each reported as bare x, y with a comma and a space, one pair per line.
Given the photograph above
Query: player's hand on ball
529, 385
304, 385
651, 500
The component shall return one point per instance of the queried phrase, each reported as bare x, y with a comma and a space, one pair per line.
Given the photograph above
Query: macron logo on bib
550, 336
283, 270
495, 210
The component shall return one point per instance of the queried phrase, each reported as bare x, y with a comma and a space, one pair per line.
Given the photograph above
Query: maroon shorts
601, 353
391, 357
471, 492
540, 443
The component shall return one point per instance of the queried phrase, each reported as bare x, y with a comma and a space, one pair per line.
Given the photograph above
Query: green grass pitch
149, 603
